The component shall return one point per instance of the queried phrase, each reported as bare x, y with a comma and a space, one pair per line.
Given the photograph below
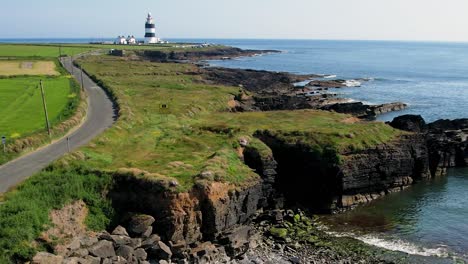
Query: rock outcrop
446, 141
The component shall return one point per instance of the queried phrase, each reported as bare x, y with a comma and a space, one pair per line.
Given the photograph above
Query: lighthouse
150, 31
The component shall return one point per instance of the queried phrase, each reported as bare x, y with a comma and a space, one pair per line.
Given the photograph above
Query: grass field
14, 67
189, 136
21, 112
17, 50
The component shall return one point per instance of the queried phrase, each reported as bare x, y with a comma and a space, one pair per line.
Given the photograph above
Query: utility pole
82, 82
60, 51
68, 144
45, 108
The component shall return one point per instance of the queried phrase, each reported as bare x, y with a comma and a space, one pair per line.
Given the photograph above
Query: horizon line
247, 38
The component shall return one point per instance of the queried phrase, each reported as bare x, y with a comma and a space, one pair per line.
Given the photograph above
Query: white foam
329, 76
397, 245
352, 83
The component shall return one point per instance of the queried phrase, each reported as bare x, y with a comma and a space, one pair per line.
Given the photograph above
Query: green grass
25, 212
27, 50
22, 111
195, 132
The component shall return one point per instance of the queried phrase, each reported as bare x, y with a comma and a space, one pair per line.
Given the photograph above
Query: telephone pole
45, 109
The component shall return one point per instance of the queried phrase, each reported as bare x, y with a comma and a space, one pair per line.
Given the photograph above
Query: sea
428, 219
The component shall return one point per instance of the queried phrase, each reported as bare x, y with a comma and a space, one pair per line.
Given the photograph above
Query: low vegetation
25, 214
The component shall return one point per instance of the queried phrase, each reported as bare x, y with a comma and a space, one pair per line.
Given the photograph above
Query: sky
423, 20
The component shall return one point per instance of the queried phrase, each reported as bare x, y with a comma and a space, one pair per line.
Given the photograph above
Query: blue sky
304, 19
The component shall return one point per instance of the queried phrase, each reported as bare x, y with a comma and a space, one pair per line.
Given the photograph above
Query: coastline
246, 191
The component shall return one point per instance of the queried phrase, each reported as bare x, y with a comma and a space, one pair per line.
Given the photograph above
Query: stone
236, 240
72, 260
125, 252
148, 232
74, 245
120, 231
173, 183
139, 224
118, 260
88, 241
91, 260
105, 236
82, 252
160, 251
244, 142
140, 254
163, 262
151, 241
121, 240
411, 123
47, 258
135, 242
103, 249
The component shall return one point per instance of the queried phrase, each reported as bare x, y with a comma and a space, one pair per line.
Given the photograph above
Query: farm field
21, 112
17, 50
13, 67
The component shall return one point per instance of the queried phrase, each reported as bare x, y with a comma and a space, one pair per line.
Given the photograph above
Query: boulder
139, 224
91, 260
236, 241
140, 254
135, 242
72, 260
151, 241
411, 123
125, 252
80, 253
88, 241
120, 231
121, 240
103, 249
148, 232
47, 258
160, 251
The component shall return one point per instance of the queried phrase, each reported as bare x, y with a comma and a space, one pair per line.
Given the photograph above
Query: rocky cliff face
324, 184
369, 174
206, 211
293, 173
446, 141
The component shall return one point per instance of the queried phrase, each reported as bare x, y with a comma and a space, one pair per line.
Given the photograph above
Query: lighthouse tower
150, 31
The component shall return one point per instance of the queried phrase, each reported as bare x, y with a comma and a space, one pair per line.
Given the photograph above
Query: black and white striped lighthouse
150, 31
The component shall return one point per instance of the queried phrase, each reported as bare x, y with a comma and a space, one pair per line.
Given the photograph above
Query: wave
329, 76
397, 245
352, 83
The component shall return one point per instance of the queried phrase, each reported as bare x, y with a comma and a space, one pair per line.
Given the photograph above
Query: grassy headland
174, 125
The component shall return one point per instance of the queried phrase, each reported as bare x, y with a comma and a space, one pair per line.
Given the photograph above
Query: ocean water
430, 218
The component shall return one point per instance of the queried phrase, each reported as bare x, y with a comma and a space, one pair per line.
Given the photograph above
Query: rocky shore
266, 91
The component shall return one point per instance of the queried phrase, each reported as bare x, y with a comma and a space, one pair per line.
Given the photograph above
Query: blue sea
431, 218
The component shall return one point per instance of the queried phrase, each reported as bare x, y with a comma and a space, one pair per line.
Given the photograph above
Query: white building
121, 40
150, 31
131, 40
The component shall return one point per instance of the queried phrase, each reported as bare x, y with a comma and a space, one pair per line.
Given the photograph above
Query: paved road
101, 115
